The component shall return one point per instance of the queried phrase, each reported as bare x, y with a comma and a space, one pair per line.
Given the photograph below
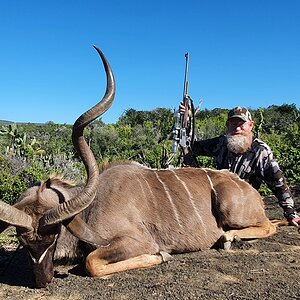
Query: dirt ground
259, 269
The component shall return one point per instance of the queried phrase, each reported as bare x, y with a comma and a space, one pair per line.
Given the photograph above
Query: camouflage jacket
255, 166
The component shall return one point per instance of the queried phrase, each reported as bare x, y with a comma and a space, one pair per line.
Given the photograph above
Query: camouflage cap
240, 112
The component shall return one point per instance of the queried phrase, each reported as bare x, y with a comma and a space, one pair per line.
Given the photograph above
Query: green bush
10, 185
16, 176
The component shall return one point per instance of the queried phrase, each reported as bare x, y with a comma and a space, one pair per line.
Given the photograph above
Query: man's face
237, 126
239, 135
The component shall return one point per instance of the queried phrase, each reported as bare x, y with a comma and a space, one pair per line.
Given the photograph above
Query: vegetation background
31, 152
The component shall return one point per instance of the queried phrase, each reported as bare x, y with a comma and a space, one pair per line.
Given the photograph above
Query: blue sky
242, 52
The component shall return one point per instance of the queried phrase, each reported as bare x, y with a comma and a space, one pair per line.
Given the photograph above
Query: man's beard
239, 143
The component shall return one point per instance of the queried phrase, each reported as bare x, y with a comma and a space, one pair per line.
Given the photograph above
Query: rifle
183, 130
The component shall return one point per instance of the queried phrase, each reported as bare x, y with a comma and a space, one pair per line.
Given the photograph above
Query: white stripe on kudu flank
169, 198
142, 186
190, 196
212, 185
148, 193
148, 186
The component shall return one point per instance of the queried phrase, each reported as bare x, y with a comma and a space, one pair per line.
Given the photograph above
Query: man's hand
295, 222
182, 108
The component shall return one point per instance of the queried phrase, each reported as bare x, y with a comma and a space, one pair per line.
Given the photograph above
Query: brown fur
141, 210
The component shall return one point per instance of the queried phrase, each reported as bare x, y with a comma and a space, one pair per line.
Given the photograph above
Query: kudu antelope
130, 216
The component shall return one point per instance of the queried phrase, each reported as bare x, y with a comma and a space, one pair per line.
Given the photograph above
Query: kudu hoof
227, 245
165, 256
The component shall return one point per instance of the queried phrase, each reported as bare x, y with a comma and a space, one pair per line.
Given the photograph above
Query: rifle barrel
186, 83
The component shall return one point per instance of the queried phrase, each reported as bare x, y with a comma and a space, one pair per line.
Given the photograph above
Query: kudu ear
40, 190
43, 186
